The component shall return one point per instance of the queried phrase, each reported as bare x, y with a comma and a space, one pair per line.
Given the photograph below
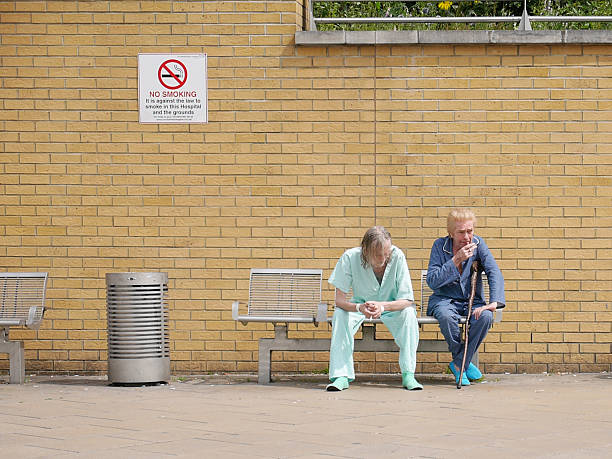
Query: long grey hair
374, 238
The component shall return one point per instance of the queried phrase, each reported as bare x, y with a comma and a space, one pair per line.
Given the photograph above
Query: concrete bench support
368, 343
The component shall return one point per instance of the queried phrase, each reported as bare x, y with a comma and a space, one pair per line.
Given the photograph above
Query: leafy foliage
462, 8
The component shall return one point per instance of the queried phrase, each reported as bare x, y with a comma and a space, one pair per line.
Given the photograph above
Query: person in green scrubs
378, 275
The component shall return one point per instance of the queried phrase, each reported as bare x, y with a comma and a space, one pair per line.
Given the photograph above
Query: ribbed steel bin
137, 314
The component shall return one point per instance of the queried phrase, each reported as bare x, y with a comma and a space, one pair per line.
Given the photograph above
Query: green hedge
463, 9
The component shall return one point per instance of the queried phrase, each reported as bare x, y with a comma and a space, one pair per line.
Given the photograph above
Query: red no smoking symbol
172, 74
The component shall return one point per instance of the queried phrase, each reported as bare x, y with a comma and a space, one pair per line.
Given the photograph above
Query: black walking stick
466, 327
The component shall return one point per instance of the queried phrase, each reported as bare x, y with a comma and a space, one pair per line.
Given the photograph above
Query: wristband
382, 309
357, 307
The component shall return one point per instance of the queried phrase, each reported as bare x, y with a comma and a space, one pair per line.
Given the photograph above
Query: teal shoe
464, 381
338, 384
473, 373
410, 383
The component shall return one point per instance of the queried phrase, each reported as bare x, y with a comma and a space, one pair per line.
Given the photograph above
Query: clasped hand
372, 309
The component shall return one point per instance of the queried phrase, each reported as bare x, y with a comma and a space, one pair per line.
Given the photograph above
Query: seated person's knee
487, 317
445, 315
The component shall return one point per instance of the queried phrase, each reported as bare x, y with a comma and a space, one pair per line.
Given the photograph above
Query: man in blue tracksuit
448, 275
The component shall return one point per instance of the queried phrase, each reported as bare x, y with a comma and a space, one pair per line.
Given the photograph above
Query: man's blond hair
459, 215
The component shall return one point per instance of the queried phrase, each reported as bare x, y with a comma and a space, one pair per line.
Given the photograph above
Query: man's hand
478, 311
372, 309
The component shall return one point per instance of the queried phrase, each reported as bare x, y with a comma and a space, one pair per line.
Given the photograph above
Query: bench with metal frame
22, 303
283, 296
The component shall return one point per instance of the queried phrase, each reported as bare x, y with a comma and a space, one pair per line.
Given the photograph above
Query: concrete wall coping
506, 37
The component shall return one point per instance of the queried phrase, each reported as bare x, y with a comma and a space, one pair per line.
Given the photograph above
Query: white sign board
172, 88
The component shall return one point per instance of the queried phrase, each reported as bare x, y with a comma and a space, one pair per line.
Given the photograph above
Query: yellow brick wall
304, 149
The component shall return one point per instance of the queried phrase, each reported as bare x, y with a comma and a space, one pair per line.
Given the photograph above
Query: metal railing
524, 21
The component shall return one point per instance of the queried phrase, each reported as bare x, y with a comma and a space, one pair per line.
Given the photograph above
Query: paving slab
226, 416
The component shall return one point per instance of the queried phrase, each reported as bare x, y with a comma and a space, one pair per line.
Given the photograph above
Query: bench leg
266, 345
263, 368
17, 360
281, 342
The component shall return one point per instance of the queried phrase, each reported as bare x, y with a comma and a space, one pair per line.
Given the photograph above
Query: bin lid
136, 278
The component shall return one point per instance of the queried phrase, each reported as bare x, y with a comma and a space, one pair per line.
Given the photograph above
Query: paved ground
508, 416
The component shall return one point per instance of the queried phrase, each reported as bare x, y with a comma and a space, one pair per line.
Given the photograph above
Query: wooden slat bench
283, 296
22, 303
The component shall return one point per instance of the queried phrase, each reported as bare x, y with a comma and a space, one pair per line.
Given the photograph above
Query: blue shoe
338, 384
464, 381
473, 373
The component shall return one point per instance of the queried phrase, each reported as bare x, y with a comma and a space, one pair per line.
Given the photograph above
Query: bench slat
22, 298
293, 294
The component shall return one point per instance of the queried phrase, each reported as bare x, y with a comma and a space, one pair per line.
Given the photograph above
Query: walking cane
466, 327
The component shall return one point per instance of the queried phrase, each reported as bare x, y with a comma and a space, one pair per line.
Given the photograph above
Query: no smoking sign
172, 88
172, 74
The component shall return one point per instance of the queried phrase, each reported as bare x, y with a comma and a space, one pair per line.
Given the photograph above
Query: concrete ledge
527, 37
361, 38
320, 38
506, 37
588, 36
397, 36
454, 36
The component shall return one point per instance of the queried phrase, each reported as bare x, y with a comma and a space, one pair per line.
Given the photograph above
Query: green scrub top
396, 283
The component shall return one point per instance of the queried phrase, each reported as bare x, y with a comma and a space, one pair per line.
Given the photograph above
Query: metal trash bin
137, 315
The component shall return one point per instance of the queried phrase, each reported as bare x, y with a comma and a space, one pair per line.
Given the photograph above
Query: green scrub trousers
402, 325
